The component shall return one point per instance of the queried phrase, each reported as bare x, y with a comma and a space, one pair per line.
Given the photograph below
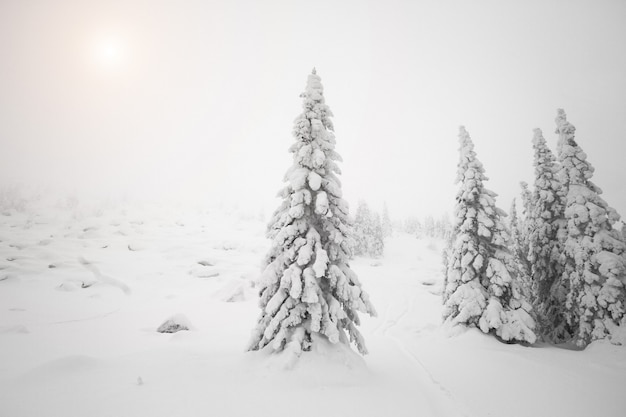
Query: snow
315, 180
94, 351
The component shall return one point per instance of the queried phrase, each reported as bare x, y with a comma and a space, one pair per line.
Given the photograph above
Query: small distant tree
377, 246
368, 232
362, 228
308, 290
482, 286
412, 226
386, 223
443, 227
592, 265
429, 226
11, 199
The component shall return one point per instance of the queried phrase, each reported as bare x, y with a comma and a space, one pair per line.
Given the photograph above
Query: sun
109, 53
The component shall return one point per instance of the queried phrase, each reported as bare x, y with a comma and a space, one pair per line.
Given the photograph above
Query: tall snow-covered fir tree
593, 260
544, 219
307, 290
482, 287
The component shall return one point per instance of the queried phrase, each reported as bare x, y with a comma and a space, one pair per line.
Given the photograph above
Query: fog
196, 99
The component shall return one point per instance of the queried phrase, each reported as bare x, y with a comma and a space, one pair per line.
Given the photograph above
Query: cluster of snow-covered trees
555, 273
440, 228
558, 272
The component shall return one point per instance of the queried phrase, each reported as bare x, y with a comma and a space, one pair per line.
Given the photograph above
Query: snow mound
136, 246
328, 363
62, 366
234, 291
203, 271
16, 329
175, 324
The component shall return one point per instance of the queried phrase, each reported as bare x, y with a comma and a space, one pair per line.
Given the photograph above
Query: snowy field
83, 290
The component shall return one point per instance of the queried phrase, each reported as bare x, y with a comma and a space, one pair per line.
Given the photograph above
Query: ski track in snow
441, 399
90, 318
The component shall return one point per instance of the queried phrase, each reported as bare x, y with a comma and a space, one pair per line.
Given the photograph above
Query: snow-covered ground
82, 292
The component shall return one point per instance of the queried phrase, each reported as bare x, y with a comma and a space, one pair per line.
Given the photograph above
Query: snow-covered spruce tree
543, 220
482, 286
307, 290
592, 263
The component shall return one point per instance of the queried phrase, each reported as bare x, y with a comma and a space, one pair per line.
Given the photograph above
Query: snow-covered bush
592, 263
482, 287
307, 287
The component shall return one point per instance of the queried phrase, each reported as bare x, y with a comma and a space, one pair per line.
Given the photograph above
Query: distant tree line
440, 228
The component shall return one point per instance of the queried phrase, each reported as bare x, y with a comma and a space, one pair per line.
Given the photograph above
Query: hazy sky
198, 97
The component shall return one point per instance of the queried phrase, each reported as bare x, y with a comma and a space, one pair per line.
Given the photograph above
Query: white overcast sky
198, 97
